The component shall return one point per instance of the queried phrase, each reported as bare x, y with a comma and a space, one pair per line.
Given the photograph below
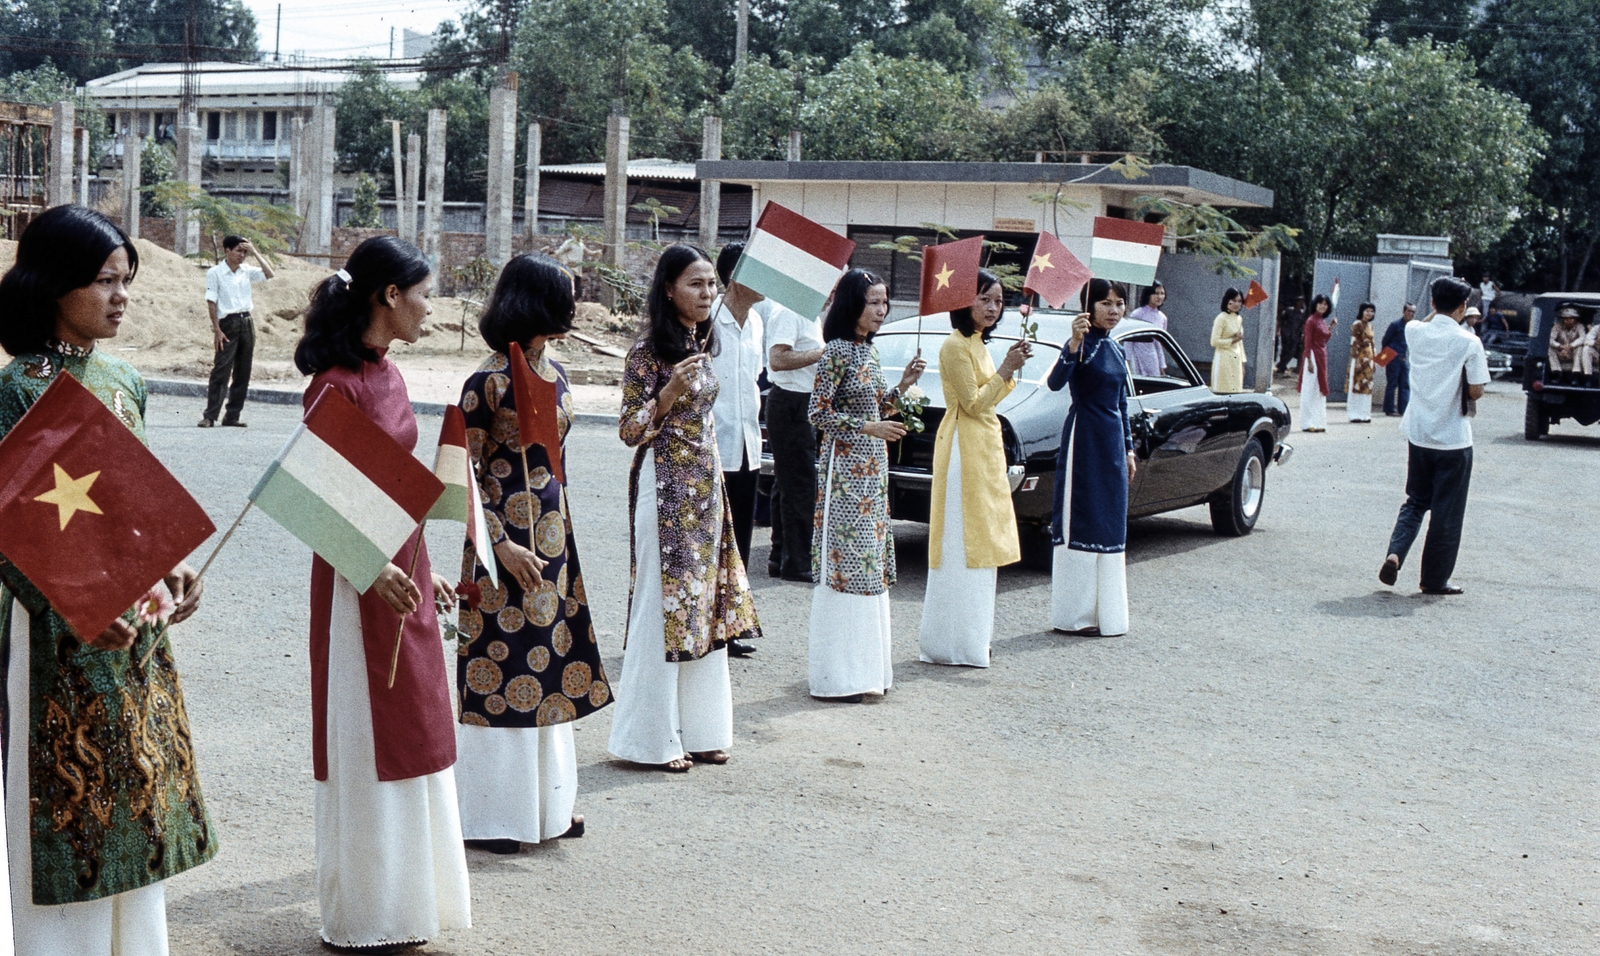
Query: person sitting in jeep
1567, 352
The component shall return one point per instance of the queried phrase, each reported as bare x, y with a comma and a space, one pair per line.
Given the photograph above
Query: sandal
718, 757
681, 765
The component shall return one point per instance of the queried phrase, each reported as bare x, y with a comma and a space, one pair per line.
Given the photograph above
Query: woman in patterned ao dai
391, 870
852, 551
101, 795
529, 665
1358, 387
690, 596
1089, 583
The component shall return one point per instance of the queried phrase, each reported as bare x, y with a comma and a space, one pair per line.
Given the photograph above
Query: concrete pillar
297, 172
497, 212
530, 189
741, 36
191, 144
399, 181
83, 167
616, 190
794, 146
132, 147
1266, 328
319, 166
63, 120
433, 209
408, 211
710, 189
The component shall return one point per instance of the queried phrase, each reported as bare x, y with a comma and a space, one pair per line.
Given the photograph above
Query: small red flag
1054, 272
1255, 295
87, 513
950, 275
535, 399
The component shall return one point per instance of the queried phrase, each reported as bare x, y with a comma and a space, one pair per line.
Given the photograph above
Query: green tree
92, 38
872, 106
366, 213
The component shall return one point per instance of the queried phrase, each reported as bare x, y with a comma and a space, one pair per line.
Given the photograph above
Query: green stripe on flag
452, 505
1133, 273
324, 530
780, 288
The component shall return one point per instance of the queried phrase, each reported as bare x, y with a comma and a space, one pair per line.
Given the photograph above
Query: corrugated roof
164, 80
637, 169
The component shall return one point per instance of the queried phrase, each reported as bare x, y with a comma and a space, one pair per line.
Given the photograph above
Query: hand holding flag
460, 501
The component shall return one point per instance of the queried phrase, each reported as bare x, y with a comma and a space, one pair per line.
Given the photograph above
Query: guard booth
1401, 272
24, 165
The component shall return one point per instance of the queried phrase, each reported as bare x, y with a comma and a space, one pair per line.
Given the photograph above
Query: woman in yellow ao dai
972, 529
1227, 339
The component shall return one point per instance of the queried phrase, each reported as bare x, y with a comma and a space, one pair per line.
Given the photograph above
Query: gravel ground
1282, 757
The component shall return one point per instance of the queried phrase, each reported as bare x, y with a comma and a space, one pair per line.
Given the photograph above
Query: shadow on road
1573, 441
1375, 604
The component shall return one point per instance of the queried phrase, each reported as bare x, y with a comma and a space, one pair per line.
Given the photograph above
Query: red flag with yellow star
1054, 272
536, 401
87, 513
950, 275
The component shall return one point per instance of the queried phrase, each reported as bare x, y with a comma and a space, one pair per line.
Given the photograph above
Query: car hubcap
1254, 482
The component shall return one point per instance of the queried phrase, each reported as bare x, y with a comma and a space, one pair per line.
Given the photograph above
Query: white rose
916, 394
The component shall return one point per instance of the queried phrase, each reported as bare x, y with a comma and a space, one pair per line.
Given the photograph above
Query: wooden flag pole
399, 632
161, 634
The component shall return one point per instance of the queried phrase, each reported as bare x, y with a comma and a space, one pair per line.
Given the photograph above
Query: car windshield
895, 349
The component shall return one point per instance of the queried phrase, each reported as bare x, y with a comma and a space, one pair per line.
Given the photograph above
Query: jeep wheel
1235, 515
1534, 423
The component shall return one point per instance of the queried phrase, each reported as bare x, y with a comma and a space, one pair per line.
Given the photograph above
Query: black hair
1315, 300
661, 327
1361, 312
1098, 290
532, 297
232, 242
1150, 293
849, 301
1448, 293
1229, 295
962, 319
62, 249
726, 260
341, 311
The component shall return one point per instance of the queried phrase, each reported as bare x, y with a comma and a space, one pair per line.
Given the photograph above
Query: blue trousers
1397, 393
1436, 481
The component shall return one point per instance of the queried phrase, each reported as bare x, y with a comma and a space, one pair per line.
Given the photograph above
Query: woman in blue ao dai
1089, 585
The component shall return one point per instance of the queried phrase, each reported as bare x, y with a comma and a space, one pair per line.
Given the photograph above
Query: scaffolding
24, 165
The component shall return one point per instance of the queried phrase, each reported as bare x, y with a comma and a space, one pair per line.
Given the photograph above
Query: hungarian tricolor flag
354, 495
460, 501
950, 275
1054, 272
1126, 251
1255, 295
536, 411
792, 261
87, 513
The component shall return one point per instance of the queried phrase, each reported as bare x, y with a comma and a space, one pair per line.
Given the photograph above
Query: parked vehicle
1193, 445
1553, 395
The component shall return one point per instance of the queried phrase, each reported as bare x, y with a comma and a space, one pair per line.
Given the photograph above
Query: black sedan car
1194, 446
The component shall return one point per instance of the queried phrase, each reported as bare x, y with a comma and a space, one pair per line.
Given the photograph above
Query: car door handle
1217, 417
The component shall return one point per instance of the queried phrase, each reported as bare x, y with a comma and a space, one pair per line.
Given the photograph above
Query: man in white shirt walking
737, 411
1448, 370
233, 333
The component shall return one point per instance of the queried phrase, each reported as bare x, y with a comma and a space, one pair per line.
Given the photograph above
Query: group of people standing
393, 818
1303, 337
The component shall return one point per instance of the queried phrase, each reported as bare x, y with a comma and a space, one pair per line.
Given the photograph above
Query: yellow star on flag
943, 275
1041, 262
71, 495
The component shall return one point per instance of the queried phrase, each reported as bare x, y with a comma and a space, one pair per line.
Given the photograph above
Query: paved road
1282, 757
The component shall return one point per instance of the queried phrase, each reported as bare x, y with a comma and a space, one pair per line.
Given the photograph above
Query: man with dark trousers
737, 411
1448, 372
233, 333
1290, 321
1396, 389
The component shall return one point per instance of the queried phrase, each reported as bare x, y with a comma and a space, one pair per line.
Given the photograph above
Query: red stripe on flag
348, 431
1126, 230
802, 233
454, 429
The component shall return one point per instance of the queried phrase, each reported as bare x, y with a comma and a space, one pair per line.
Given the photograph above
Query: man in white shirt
1448, 370
737, 411
233, 333
794, 347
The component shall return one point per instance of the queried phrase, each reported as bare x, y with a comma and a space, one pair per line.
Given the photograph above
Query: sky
347, 28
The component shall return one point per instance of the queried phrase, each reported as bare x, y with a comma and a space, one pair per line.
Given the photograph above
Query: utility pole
741, 43
277, 39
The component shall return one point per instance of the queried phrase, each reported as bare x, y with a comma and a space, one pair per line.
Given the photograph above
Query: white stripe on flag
329, 476
1118, 250
793, 261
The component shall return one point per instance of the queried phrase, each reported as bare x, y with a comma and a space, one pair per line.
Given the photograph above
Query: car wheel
1534, 425
1235, 514
1037, 551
